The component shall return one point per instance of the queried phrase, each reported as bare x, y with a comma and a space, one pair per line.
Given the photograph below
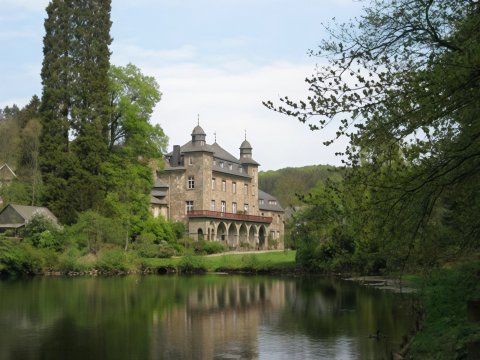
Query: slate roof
160, 184
266, 206
27, 212
157, 201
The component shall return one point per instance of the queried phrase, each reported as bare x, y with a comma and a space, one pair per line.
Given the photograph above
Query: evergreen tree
75, 104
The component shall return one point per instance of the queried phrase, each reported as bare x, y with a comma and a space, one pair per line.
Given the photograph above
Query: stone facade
216, 196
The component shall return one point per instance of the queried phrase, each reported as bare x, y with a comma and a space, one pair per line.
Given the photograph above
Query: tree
134, 144
406, 83
75, 105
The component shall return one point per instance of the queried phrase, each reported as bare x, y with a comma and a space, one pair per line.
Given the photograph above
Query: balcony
228, 216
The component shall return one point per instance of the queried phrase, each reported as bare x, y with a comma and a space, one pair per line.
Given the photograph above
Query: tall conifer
75, 104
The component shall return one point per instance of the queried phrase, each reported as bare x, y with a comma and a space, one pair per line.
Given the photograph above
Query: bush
115, 260
151, 250
43, 233
178, 229
19, 258
192, 264
70, 261
203, 247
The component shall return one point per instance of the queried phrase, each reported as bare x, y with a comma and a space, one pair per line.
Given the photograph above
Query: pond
198, 317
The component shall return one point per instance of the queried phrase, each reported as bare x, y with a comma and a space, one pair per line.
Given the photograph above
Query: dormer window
221, 164
230, 166
272, 202
261, 201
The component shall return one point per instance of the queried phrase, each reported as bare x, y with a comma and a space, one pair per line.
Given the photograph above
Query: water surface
198, 317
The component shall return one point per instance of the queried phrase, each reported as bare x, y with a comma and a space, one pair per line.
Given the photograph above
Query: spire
198, 135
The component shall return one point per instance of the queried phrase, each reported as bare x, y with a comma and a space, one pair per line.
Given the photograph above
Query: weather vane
198, 119
245, 134
215, 134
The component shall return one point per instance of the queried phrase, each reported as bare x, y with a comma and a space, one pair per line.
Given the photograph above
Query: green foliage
290, 183
75, 102
178, 228
18, 258
202, 247
92, 230
43, 233
151, 249
446, 331
191, 263
159, 227
115, 260
401, 83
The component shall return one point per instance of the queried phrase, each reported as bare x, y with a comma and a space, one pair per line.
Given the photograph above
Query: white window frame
223, 206
188, 206
234, 207
191, 182
212, 205
224, 185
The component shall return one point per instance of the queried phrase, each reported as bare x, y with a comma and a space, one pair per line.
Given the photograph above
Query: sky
214, 60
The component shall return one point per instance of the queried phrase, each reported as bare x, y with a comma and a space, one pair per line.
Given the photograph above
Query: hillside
285, 183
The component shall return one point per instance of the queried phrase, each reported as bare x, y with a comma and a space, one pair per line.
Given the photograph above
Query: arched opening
200, 234
232, 235
243, 237
251, 237
262, 237
221, 232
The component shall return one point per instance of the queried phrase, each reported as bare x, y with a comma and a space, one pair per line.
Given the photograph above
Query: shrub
19, 258
191, 263
151, 250
70, 261
43, 233
203, 247
178, 229
115, 260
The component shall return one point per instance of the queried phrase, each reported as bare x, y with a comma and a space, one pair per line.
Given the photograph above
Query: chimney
176, 158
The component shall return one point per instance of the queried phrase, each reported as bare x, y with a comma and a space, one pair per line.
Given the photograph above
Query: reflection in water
199, 317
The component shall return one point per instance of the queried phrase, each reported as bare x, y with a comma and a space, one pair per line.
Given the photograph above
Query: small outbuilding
14, 217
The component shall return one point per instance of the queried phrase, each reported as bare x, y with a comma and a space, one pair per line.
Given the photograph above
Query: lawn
267, 261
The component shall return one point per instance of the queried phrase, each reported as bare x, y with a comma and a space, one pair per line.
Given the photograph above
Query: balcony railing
228, 216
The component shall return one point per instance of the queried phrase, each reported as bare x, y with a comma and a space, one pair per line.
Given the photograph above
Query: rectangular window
261, 201
224, 206
191, 182
230, 166
245, 189
213, 183
188, 206
190, 160
245, 208
224, 185
234, 187
221, 164
212, 205
234, 207
240, 169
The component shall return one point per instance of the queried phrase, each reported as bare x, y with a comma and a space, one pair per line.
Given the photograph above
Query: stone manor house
216, 195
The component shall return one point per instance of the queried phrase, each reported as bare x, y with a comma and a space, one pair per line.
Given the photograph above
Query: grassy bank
283, 261
446, 331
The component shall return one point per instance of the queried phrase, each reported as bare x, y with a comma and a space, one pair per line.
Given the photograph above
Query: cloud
229, 98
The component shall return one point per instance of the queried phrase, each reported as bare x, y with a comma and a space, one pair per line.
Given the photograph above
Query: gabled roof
5, 166
262, 195
27, 212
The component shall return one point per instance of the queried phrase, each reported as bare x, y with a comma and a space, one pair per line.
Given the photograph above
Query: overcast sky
216, 58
